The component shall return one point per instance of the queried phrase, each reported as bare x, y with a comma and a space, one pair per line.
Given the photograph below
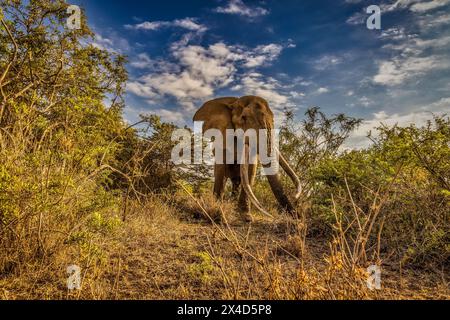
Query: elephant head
246, 113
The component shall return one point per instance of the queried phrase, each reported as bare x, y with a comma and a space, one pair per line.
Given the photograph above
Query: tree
46, 65
59, 139
314, 140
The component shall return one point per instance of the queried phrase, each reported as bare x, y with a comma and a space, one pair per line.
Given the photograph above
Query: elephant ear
216, 114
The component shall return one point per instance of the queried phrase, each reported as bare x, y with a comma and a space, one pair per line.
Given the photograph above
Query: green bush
409, 168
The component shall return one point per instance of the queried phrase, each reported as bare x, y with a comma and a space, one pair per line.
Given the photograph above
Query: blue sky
294, 53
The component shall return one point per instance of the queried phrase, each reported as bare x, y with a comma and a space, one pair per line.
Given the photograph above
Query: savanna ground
79, 186
165, 253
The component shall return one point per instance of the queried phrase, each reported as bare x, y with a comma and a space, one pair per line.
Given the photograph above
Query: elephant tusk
295, 179
246, 183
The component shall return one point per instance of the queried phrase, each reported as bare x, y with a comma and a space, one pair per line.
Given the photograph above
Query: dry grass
164, 253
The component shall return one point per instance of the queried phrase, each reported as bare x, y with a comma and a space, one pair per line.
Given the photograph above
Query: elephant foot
244, 211
246, 217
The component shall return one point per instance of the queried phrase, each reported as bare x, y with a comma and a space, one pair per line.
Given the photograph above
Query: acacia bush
69, 162
397, 188
408, 168
58, 138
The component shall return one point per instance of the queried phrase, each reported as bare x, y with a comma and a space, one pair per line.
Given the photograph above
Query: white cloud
238, 7
196, 72
430, 5
416, 46
439, 107
438, 20
131, 115
102, 42
147, 25
322, 90
432, 43
112, 43
304, 83
262, 54
190, 24
266, 87
416, 55
357, 18
394, 34
398, 70
141, 90
172, 116
183, 86
210, 66
365, 101
401, 4
296, 95
326, 62
417, 5
142, 61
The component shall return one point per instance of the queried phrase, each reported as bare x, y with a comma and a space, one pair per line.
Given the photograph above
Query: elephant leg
219, 182
244, 202
280, 195
236, 187
235, 175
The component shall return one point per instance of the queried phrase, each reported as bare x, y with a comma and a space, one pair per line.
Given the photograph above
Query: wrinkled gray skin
243, 113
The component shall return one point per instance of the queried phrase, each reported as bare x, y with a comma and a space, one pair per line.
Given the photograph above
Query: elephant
249, 112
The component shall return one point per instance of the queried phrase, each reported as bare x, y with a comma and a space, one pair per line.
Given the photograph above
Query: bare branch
14, 57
